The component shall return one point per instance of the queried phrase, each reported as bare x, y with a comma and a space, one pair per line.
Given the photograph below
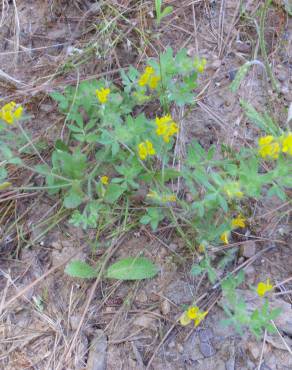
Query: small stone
250, 275
74, 322
146, 322
240, 260
230, 364
98, 352
253, 350
248, 249
165, 307
207, 349
206, 335
141, 297
171, 344
47, 108
179, 348
282, 76
243, 47
216, 64
173, 247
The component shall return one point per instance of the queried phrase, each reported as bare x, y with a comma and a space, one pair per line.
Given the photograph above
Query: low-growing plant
117, 145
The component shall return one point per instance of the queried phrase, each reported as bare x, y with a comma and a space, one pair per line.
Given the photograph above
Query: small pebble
206, 335
248, 250
165, 307
207, 349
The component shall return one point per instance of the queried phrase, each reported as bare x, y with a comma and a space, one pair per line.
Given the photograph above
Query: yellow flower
149, 78
166, 127
200, 64
10, 112
268, 147
192, 312
144, 79
239, 221
200, 317
102, 94
153, 82
184, 319
287, 144
104, 180
224, 237
201, 248
266, 140
233, 190
262, 288
145, 149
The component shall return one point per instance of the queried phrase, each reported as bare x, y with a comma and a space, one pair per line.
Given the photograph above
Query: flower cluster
11, 112
149, 78
145, 149
224, 237
104, 180
263, 288
200, 64
237, 222
166, 127
193, 314
271, 147
232, 190
102, 94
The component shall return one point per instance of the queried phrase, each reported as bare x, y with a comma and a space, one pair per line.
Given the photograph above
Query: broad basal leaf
132, 268
80, 269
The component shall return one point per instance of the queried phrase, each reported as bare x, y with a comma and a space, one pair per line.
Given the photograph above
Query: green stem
261, 32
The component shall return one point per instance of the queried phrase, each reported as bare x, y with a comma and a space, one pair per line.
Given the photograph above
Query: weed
113, 150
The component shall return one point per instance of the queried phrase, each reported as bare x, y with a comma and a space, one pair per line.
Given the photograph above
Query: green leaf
196, 270
113, 192
73, 198
132, 268
261, 121
81, 270
241, 73
166, 11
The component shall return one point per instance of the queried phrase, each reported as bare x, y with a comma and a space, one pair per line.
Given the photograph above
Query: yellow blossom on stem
11, 112
184, 319
102, 94
232, 190
145, 149
200, 317
200, 64
153, 82
268, 147
193, 313
166, 127
144, 78
287, 144
263, 288
239, 221
224, 237
149, 78
104, 180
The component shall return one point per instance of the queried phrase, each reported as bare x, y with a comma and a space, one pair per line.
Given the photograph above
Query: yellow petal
184, 319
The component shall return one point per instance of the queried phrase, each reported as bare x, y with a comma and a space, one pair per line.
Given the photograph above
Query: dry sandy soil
46, 45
